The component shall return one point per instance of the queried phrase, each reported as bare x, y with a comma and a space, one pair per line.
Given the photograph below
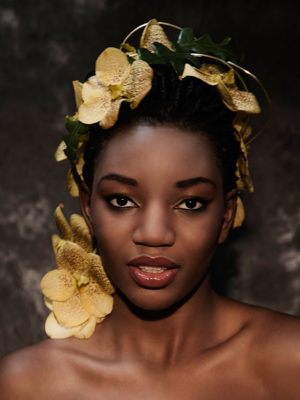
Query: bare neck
166, 337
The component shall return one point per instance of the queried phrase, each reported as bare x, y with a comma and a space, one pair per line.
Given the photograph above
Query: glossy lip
152, 262
150, 280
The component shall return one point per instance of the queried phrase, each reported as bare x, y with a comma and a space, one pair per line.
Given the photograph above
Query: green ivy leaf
186, 38
162, 55
206, 45
73, 125
182, 49
76, 130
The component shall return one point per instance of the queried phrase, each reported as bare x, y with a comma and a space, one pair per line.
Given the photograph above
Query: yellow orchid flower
234, 99
152, 33
78, 292
239, 214
115, 80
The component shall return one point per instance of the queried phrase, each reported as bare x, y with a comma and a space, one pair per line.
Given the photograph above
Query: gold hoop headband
228, 64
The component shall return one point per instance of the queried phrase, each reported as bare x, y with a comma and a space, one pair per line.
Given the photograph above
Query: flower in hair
234, 99
78, 292
127, 77
115, 80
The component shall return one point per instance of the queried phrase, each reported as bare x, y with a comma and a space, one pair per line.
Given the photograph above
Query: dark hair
189, 104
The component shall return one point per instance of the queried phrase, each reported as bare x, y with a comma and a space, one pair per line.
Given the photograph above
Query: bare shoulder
274, 344
26, 373
279, 333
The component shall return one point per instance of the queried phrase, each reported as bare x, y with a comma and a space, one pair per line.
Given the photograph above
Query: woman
159, 192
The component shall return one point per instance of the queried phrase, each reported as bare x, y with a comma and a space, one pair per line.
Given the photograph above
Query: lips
153, 262
152, 273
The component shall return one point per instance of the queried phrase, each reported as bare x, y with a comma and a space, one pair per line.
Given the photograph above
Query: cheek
112, 231
197, 239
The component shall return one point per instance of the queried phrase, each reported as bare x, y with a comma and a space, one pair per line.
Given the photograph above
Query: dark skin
182, 341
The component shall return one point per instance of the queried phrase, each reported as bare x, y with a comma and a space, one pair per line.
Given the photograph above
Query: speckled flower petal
71, 184
203, 75
72, 257
139, 82
239, 214
56, 243
62, 224
245, 101
244, 174
95, 300
112, 114
60, 154
237, 100
77, 86
54, 330
112, 67
58, 285
81, 232
90, 87
153, 32
226, 96
86, 330
98, 273
71, 312
241, 125
96, 101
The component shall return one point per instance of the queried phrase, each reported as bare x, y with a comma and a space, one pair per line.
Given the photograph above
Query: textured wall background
47, 44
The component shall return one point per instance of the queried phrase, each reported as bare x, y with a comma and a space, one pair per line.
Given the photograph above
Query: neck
166, 336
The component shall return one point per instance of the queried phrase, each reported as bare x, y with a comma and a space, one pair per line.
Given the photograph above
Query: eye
121, 201
192, 204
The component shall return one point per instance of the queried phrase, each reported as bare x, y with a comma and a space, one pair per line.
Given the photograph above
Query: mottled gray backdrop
47, 44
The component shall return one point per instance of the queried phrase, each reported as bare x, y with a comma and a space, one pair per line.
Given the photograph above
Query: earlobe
84, 197
229, 214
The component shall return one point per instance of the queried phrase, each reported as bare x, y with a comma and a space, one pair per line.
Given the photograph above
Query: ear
85, 197
229, 214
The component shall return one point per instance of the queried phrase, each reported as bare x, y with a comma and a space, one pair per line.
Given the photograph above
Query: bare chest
130, 382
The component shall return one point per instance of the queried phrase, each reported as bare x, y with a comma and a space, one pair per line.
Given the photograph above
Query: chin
153, 302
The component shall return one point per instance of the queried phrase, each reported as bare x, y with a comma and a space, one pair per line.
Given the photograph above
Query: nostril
154, 227
153, 237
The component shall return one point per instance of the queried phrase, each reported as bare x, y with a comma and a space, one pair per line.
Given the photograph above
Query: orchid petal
62, 224
98, 273
60, 154
71, 312
54, 330
112, 114
239, 214
72, 257
152, 33
86, 329
77, 86
139, 82
95, 300
58, 285
112, 67
81, 232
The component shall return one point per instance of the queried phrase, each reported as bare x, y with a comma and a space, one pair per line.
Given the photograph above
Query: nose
154, 228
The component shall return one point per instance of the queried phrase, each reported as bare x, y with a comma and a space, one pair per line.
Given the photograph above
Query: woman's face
157, 192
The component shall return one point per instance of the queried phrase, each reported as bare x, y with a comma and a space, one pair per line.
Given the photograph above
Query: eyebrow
119, 178
180, 184
194, 181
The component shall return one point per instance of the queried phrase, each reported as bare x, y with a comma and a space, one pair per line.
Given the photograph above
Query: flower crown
78, 293
125, 75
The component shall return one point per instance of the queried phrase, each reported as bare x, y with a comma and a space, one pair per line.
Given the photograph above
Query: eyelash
116, 197
203, 204
120, 196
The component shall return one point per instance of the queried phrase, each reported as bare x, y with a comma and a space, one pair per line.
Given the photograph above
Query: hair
187, 104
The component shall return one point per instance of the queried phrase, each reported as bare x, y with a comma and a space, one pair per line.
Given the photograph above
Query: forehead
164, 151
